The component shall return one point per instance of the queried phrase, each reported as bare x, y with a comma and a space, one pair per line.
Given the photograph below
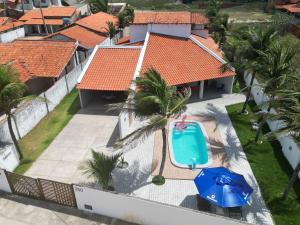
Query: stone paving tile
136, 179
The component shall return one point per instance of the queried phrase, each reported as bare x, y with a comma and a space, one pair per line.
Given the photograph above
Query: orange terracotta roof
292, 8
197, 18
47, 21
209, 43
10, 25
3, 20
85, 37
124, 40
97, 22
37, 58
54, 12
180, 60
111, 69
139, 43
158, 17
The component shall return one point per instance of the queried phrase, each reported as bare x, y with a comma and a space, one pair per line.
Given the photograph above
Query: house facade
40, 63
166, 42
54, 18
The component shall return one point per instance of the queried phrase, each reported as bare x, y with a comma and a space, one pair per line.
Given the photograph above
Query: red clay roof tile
97, 22
111, 69
54, 11
159, 17
180, 60
85, 37
37, 58
209, 43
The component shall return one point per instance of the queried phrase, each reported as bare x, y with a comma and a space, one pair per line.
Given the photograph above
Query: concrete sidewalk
16, 210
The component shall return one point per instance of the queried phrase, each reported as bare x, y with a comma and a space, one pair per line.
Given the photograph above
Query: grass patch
269, 166
244, 12
40, 137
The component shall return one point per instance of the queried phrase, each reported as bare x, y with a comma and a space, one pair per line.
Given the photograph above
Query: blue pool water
189, 143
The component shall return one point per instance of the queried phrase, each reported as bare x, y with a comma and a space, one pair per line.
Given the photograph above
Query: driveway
90, 128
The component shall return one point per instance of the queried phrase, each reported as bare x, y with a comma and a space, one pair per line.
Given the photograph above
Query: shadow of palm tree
132, 178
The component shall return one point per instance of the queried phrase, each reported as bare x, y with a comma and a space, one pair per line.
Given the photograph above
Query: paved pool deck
136, 179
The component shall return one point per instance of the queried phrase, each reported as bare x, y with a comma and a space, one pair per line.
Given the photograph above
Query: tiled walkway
136, 179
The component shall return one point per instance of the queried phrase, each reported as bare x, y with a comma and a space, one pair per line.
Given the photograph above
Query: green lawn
245, 12
39, 138
270, 168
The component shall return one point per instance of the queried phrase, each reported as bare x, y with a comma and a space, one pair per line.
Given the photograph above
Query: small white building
10, 30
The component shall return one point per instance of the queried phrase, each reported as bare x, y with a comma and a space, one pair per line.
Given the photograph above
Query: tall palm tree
219, 28
154, 102
278, 67
11, 94
288, 112
233, 51
129, 14
100, 168
258, 40
111, 30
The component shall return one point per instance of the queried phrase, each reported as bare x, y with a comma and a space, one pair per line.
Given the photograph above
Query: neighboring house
32, 4
98, 23
10, 29
182, 58
86, 38
54, 17
40, 63
290, 8
81, 6
179, 24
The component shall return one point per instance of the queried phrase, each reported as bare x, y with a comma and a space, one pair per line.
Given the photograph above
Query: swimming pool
189, 145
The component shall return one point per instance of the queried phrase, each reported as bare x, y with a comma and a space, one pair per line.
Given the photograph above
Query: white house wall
178, 30
12, 35
228, 83
138, 32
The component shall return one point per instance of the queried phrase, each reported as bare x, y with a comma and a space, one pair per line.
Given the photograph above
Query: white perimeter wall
138, 32
12, 35
142, 211
30, 113
289, 147
4, 186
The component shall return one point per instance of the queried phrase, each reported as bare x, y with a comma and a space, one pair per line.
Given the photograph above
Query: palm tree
100, 168
288, 112
258, 40
278, 67
156, 102
233, 49
129, 14
219, 28
111, 30
11, 94
98, 5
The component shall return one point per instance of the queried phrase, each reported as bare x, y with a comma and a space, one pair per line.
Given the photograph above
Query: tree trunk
258, 132
164, 151
248, 93
291, 182
13, 136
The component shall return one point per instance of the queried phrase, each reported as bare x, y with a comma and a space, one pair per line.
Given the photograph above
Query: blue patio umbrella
223, 187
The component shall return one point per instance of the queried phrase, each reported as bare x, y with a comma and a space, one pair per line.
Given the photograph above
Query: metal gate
42, 189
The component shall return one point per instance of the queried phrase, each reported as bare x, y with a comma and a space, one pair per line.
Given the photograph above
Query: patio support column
51, 29
38, 28
201, 89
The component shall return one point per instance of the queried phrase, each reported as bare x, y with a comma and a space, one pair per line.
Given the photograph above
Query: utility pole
45, 26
